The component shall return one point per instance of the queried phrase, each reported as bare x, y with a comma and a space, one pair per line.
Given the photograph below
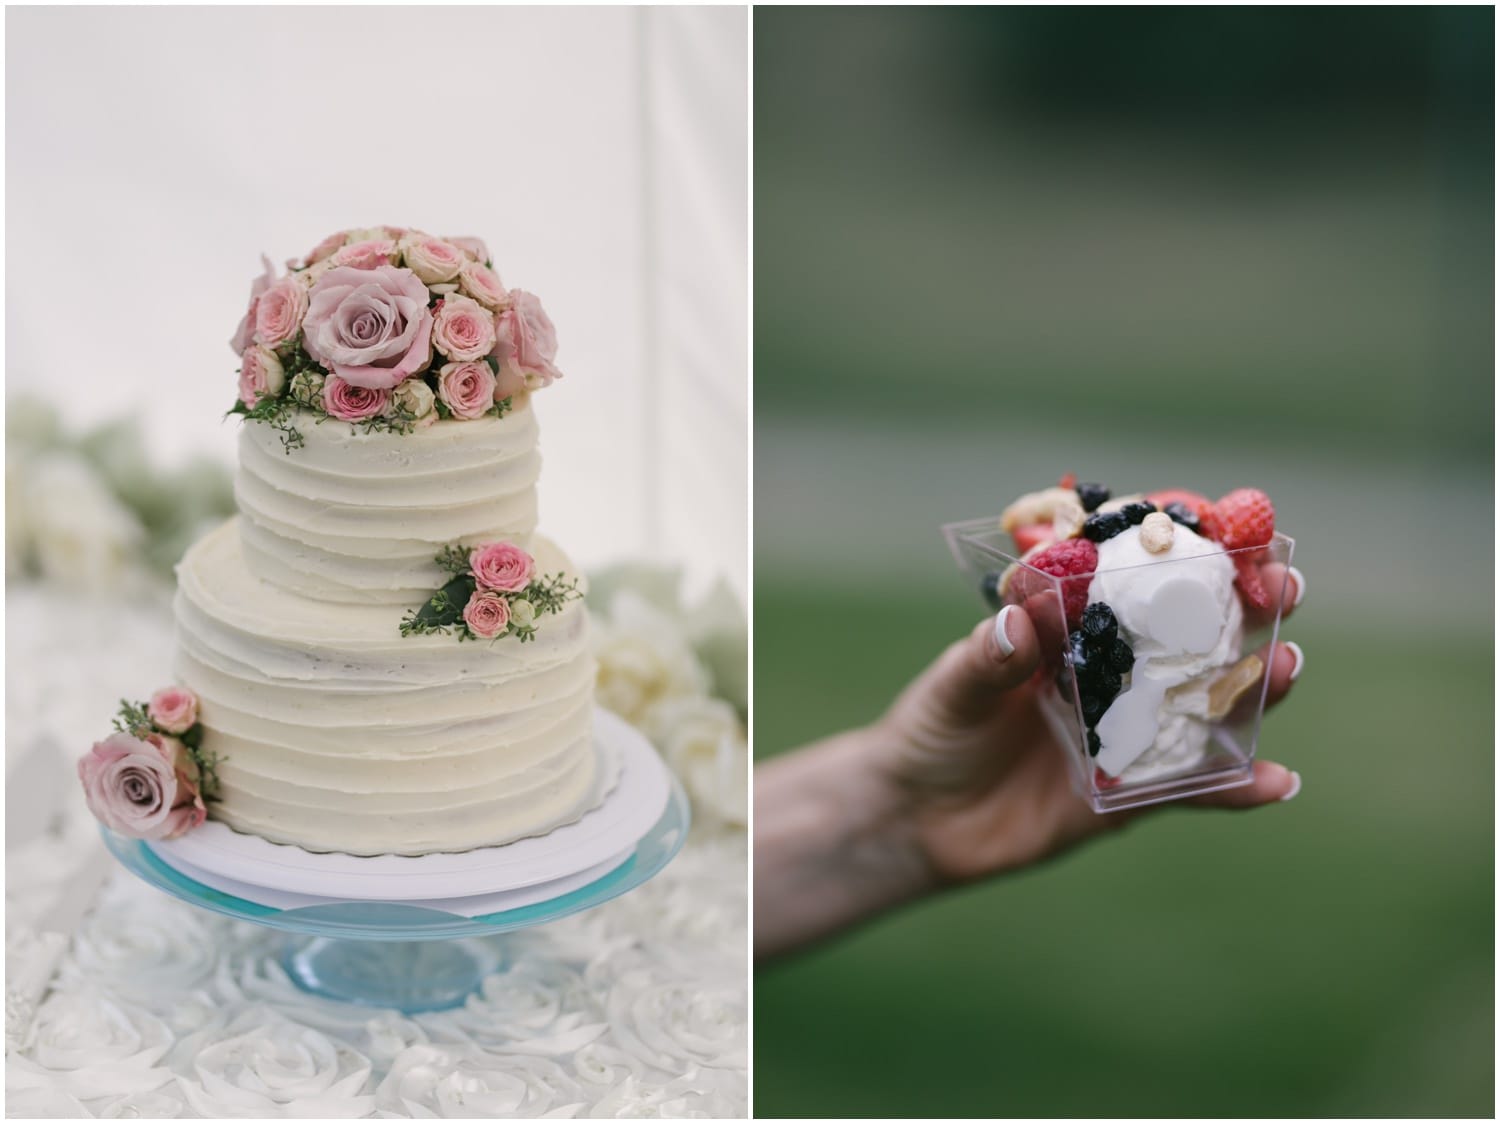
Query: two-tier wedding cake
378, 654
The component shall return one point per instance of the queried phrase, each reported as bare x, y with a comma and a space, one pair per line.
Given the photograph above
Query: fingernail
1296, 787
1296, 576
1297, 652
1002, 641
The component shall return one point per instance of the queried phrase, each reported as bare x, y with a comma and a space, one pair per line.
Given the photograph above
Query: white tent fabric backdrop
155, 153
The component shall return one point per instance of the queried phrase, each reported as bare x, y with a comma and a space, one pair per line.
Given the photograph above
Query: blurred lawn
1331, 957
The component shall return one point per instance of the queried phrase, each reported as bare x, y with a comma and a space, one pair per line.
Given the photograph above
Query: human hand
985, 788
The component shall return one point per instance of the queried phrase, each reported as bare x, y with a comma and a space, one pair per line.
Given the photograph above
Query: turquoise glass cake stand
401, 956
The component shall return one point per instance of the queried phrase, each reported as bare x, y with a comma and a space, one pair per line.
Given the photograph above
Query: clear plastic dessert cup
1176, 711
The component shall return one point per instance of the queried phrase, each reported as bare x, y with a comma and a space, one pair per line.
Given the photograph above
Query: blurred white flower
80, 534
87, 1045
644, 658
704, 743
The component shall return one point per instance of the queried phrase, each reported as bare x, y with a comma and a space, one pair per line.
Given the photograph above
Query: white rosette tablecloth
148, 1007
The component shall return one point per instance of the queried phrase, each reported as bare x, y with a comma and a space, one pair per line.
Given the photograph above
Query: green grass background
992, 247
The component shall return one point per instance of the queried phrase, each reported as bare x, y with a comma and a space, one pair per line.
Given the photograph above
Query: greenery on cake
391, 330
495, 592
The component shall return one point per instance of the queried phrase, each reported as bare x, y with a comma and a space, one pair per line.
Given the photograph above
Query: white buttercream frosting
358, 517
1179, 612
338, 733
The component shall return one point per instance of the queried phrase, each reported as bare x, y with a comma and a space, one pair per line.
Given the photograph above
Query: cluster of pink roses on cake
501, 572
146, 781
393, 322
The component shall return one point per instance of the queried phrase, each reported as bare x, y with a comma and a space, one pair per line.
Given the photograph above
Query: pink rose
143, 789
370, 254
463, 330
261, 375
502, 566
173, 709
483, 284
467, 389
486, 614
350, 402
474, 247
323, 249
371, 327
431, 259
508, 384
244, 335
278, 315
526, 341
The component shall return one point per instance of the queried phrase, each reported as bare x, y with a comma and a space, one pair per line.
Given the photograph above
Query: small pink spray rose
173, 709
486, 614
501, 566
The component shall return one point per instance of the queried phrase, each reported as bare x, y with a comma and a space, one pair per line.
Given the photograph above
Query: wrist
835, 841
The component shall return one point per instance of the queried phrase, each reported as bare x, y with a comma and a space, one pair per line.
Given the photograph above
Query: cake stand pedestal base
409, 976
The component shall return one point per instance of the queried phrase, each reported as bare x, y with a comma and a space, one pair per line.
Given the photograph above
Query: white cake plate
423, 953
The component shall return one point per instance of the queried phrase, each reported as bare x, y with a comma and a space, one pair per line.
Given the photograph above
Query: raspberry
1197, 504
1242, 519
1074, 560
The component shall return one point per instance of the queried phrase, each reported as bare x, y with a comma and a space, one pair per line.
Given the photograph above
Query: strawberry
1103, 782
1033, 534
1073, 560
1242, 519
1247, 581
1069, 480
1197, 504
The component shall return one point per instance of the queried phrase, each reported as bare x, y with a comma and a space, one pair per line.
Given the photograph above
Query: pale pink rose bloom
261, 375
526, 341
474, 247
431, 259
173, 709
371, 327
369, 254
483, 284
467, 389
463, 329
501, 566
509, 384
486, 614
324, 249
145, 789
244, 335
278, 316
348, 401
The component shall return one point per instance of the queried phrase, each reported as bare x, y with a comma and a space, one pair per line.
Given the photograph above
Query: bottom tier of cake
336, 733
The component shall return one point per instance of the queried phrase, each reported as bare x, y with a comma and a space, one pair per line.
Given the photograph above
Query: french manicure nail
1296, 787
1297, 577
1002, 641
1300, 658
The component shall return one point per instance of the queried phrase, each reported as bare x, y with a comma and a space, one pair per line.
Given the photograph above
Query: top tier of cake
359, 517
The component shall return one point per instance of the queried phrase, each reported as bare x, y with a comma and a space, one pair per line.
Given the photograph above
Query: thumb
1001, 653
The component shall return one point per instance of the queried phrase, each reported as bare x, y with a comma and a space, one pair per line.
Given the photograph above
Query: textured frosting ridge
337, 733
358, 517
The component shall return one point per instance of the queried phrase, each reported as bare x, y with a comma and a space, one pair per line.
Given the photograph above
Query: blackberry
1119, 657
1107, 683
1095, 745
1092, 495
1078, 652
1099, 626
1137, 511
1093, 707
1182, 514
1103, 526
989, 589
